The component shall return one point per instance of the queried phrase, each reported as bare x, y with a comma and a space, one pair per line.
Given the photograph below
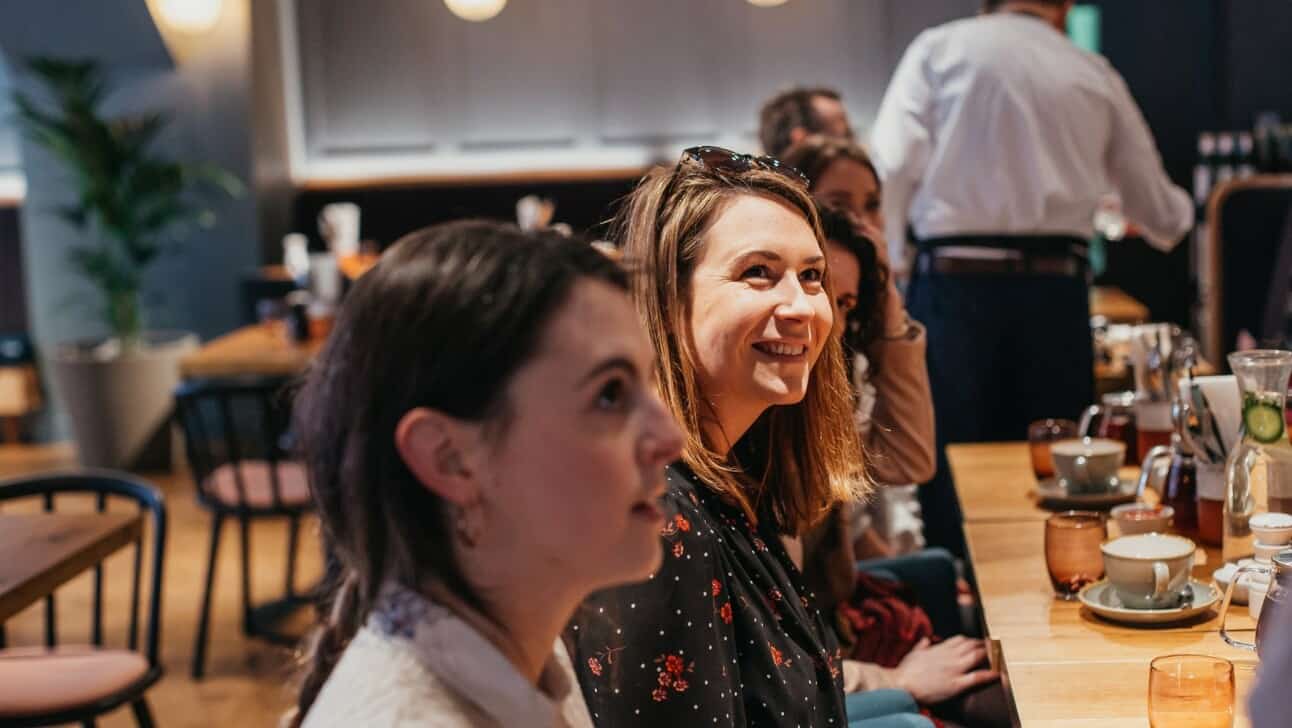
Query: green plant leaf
134, 201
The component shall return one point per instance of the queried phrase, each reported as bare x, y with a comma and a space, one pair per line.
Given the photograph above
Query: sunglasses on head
725, 160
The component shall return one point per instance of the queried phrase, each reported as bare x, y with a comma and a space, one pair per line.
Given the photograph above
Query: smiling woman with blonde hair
734, 296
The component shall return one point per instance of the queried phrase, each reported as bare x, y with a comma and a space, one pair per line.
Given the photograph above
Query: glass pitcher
1258, 474
1276, 599
1112, 418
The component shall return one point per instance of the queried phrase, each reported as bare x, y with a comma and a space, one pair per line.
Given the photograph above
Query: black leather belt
1045, 255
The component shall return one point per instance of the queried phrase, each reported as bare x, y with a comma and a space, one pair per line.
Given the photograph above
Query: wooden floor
247, 681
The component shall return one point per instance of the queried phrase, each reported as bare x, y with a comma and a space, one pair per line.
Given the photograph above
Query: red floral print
717, 587
777, 657
674, 664
725, 613
678, 549
681, 522
671, 676
595, 666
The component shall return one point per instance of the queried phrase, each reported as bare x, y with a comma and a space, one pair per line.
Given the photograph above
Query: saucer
1102, 599
1053, 493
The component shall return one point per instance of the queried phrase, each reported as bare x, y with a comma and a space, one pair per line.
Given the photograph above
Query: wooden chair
1245, 264
236, 433
55, 683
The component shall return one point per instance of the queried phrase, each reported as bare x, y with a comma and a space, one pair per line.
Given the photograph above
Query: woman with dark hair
485, 448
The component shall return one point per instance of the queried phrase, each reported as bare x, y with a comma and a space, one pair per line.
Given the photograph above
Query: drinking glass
1072, 555
1039, 436
1191, 691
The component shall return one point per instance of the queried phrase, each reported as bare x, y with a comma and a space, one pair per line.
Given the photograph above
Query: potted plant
132, 204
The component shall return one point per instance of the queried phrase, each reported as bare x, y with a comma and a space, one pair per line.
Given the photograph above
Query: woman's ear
433, 446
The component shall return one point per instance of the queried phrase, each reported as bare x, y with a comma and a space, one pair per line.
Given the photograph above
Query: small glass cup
1040, 435
1072, 555
1196, 691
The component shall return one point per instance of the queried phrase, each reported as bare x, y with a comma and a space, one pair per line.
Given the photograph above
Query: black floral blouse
724, 634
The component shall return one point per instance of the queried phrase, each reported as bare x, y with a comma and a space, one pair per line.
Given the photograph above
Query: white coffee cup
1088, 464
1149, 570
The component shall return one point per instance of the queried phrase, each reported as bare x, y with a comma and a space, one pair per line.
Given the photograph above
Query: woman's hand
934, 673
895, 317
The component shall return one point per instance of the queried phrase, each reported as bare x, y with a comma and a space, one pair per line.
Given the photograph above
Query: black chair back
104, 484
238, 430
1250, 225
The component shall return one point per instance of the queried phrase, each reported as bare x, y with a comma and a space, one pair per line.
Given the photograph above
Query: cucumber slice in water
1263, 422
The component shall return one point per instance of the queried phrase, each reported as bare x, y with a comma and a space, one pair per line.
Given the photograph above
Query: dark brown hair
814, 154
866, 319
444, 320
789, 110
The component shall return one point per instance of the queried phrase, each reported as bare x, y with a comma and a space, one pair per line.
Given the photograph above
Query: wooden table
1103, 694
1064, 665
1018, 601
995, 482
42, 551
258, 349
1117, 306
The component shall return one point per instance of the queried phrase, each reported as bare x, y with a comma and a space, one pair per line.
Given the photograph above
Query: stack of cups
1273, 532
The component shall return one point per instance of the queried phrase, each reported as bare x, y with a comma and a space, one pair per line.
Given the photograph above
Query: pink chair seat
39, 681
293, 485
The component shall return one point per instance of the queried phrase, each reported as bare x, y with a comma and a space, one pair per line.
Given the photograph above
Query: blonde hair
812, 454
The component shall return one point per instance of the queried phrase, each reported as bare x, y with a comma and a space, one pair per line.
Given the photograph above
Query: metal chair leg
143, 716
293, 534
199, 649
248, 623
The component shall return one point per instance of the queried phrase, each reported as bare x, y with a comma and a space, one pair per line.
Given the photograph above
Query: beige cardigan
901, 443
416, 663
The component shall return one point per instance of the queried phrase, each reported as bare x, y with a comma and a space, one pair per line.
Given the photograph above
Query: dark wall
13, 299
1193, 66
390, 212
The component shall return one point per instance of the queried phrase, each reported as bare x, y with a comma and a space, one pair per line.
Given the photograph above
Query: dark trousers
1003, 350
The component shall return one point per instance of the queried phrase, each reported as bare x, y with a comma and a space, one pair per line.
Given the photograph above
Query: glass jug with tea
1155, 365
1113, 418
1210, 420
1258, 476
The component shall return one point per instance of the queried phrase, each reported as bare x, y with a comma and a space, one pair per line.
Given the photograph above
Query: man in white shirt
995, 141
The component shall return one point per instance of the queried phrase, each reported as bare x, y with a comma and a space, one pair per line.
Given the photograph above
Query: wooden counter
1117, 306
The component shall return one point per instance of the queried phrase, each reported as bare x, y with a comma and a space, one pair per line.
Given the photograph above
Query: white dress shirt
999, 124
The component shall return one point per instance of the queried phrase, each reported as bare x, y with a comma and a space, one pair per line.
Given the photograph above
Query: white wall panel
526, 75
658, 65
397, 86
377, 75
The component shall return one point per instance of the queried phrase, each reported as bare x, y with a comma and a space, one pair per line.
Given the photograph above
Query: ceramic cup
1133, 518
1149, 570
1088, 465
1272, 529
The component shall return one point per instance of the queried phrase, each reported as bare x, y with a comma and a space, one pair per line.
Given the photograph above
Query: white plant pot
120, 402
